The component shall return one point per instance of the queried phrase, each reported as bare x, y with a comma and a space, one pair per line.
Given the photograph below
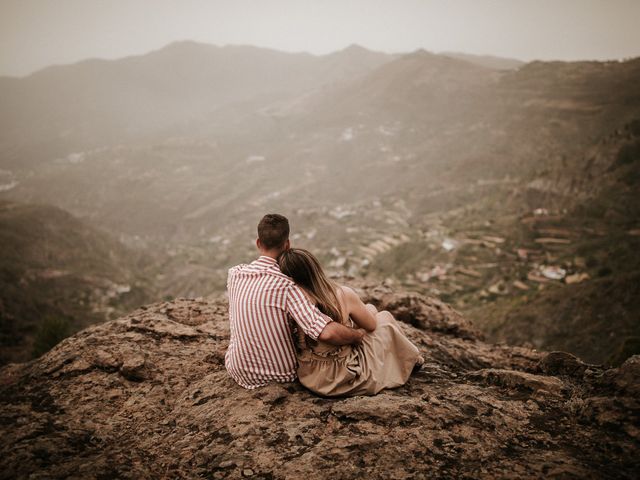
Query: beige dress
385, 359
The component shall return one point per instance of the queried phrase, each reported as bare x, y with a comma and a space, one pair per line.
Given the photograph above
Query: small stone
133, 368
247, 472
105, 360
271, 394
562, 363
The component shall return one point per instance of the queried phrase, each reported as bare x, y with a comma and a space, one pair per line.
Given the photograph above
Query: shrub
50, 332
629, 347
634, 127
629, 153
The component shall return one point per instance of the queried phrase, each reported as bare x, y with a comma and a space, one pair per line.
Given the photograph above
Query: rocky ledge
147, 396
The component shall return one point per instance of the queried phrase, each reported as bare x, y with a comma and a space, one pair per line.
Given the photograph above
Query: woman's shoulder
346, 293
346, 289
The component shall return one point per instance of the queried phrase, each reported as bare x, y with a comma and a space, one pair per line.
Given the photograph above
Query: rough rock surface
147, 396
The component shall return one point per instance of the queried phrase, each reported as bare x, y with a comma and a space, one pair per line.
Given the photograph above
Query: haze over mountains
466, 177
96, 101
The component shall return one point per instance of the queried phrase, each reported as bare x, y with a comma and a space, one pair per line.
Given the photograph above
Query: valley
510, 193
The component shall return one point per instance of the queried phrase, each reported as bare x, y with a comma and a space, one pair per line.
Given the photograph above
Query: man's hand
337, 334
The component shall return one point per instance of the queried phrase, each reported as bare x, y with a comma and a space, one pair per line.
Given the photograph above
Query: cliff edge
147, 396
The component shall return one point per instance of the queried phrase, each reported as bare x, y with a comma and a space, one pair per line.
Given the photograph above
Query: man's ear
258, 243
287, 245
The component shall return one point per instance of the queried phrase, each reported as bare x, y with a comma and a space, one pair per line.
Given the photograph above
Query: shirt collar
267, 261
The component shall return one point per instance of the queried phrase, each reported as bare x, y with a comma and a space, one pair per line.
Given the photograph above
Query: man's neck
273, 255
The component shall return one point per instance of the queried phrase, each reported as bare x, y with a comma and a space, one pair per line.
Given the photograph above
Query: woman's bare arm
360, 313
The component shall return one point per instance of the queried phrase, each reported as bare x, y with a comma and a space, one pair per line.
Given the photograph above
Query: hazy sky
37, 33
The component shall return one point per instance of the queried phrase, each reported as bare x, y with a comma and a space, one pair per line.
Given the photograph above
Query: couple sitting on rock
288, 321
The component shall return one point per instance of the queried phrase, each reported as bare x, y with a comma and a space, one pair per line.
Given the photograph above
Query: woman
385, 359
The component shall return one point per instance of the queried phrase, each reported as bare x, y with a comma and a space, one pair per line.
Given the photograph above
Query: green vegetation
401, 260
50, 332
596, 319
629, 347
58, 275
629, 153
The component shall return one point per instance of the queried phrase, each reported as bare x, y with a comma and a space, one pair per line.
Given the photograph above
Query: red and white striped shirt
261, 299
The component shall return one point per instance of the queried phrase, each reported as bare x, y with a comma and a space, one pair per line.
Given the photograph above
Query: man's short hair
273, 231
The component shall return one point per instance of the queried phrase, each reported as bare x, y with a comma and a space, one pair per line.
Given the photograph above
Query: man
261, 299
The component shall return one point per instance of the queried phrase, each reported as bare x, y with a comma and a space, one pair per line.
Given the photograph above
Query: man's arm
315, 324
337, 334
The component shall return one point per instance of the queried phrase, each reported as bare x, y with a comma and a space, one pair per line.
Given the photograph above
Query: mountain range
422, 170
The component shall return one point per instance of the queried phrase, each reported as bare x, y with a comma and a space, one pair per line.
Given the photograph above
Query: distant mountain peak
489, 61
355, 47
421, 54
355, 50
187, 43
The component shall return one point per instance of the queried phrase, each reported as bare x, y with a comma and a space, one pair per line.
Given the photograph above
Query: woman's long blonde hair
303, 267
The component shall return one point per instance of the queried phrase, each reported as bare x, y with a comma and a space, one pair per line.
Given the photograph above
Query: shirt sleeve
307, 315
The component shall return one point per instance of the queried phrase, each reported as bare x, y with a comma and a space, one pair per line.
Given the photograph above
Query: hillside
591, 310
147, 396
58, 275
552, 263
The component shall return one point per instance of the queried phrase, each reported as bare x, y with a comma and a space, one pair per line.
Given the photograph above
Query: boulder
147, 396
